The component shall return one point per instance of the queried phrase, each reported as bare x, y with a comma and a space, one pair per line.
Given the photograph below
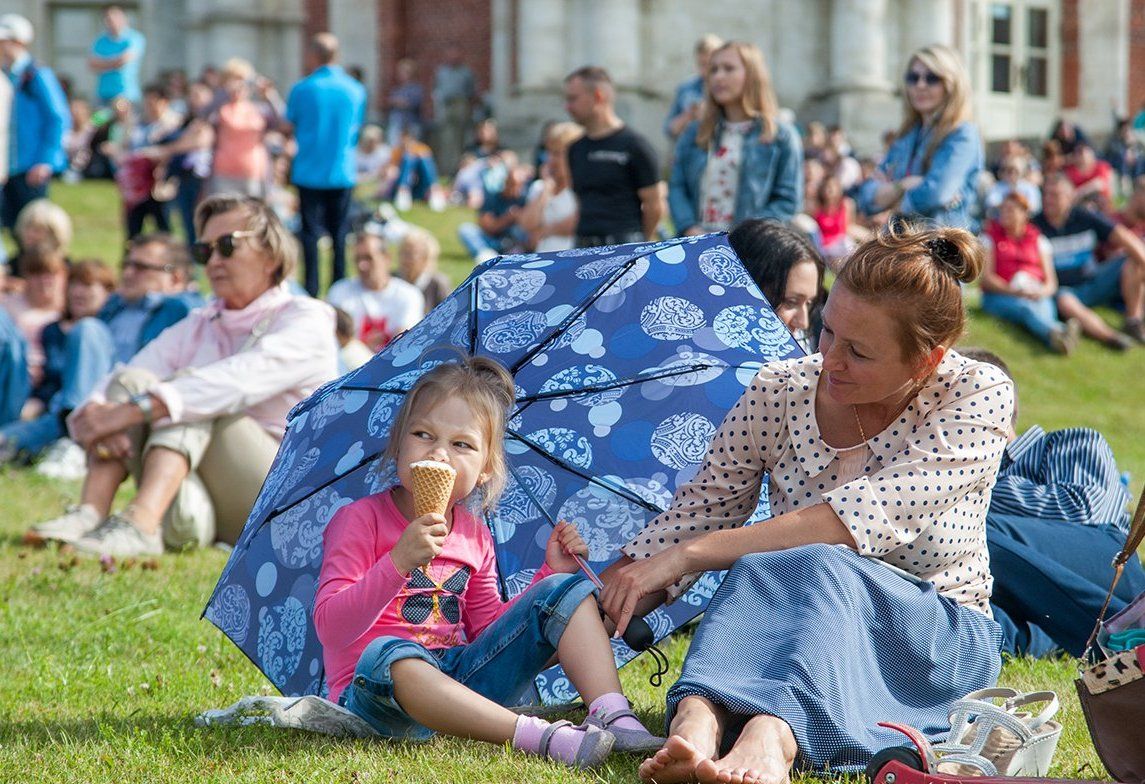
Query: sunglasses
143, 266
201, 252
914, 77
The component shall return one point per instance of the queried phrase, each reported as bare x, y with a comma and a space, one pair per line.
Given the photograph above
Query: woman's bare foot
695, 738
763, 754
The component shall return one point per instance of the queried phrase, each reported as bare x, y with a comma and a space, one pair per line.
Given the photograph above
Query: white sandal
991, 739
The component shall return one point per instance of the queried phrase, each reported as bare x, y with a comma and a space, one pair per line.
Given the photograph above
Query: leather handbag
1112, 689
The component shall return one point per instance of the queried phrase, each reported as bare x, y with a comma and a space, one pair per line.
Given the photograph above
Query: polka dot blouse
915, 497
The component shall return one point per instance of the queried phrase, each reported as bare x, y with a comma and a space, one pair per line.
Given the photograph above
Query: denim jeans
1050, 580
89, 356
479, 244
1039, 316
418, 173
1104, 288
14, 382
323, 210
500, 664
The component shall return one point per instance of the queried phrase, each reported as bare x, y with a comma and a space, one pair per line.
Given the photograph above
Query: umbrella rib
621, 491
572, 317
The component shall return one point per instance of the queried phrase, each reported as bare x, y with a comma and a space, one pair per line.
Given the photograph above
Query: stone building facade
839, 61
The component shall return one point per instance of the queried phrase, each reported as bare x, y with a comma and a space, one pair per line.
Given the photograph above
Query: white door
1014, 59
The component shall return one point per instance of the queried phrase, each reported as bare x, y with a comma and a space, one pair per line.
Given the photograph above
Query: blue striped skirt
834, 643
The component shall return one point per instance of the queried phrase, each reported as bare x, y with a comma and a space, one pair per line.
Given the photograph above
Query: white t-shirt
379, 316
561, 206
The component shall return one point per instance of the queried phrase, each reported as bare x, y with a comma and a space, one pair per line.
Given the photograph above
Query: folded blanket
310, 713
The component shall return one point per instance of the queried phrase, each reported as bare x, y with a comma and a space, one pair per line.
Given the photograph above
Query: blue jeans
1104, 288
15, 386
1039, 316
418, 173
499, 665
1050, 580
478, 243
90, 355
187, 199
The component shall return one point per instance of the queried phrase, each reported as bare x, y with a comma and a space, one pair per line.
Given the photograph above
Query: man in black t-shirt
1075, 233
614, 171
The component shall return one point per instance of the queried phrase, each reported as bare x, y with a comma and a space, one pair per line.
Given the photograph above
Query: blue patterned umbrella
625, 359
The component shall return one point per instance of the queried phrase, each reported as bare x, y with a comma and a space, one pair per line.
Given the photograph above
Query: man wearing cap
39, 117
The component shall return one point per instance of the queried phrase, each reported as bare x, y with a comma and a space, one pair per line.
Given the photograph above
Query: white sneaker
65, 459
117, 536
72, 525
437, 200
404, 200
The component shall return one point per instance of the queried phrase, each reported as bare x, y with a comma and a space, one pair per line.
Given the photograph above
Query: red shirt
832, 224
1101, 169
1013, 255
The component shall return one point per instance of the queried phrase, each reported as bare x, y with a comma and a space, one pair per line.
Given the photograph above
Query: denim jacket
40, 115
949, 186
770, 176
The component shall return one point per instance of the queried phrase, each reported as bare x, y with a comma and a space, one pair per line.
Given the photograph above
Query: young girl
416, 637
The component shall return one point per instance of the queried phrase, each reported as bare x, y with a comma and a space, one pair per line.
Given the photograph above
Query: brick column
1135, 99
1071, 55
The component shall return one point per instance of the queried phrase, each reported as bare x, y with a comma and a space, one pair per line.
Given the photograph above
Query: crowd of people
184, 386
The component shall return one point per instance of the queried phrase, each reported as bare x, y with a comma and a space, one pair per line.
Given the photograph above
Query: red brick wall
317, 21
422, 31
1136, 97
1070, 54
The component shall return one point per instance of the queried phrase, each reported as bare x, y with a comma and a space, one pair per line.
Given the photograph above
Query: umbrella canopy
625, 360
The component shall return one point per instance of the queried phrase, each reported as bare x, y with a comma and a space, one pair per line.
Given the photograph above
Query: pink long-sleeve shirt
362, 596
259, 361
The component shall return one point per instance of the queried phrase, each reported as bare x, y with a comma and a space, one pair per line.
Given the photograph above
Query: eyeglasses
143, 266
914, 77
201, 252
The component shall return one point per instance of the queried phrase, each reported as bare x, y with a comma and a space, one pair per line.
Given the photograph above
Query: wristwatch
143, 402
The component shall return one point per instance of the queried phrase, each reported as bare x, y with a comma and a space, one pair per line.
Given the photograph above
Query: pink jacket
259, 361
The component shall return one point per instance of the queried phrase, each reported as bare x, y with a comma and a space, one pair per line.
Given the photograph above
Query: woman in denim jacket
931, 169
737, 161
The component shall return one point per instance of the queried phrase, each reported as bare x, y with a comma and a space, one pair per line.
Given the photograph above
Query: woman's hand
95, 421
626, 586
117, 446
564, 542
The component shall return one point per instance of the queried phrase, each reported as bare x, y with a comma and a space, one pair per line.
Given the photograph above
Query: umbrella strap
657, 677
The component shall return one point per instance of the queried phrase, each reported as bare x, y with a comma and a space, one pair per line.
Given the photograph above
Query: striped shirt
1067, 475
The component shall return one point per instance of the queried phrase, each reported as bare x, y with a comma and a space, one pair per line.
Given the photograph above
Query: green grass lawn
104, 672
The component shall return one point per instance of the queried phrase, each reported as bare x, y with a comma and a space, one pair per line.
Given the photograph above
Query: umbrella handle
638, 635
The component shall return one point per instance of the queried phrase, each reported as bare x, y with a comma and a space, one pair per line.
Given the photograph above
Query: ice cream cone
432, 486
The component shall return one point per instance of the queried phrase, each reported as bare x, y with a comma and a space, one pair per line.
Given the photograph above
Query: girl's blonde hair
563, 134
758, 100
944, 63
487, 388
49, 215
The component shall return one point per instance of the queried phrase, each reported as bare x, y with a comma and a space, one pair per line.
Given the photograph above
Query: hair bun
954, 256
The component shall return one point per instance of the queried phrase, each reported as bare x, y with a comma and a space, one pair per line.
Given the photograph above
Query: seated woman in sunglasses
196, 416
931, 169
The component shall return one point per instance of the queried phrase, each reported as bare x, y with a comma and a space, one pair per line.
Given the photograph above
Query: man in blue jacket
152, 293
38, 120
326, 110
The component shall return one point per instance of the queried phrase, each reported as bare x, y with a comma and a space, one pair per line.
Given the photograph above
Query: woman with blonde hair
551, 212
418, 252
43, 224
738, 161
240, 125
931, 169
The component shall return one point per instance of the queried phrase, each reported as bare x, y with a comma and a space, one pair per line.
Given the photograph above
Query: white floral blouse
916, 498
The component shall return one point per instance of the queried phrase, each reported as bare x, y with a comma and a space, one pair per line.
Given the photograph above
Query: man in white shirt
381, 305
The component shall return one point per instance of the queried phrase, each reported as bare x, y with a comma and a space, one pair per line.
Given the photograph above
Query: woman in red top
1092, 177
1018, 280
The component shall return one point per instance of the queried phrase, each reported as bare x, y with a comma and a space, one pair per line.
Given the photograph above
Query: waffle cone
432, 486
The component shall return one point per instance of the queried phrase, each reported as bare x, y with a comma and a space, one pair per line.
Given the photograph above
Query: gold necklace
859, 422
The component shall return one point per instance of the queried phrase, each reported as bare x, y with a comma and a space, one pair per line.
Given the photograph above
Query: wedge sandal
993, 732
